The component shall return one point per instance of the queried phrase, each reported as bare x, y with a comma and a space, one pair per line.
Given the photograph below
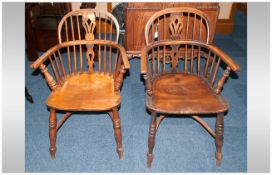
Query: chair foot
149, 160
218, 158
52, 152
117, 132
120, 153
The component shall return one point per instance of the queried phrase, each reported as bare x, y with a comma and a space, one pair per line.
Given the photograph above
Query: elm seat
184, 94
85, 91
180, 93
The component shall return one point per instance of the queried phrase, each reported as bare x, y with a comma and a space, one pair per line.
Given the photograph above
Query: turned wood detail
117, 131
148, 84
52, 132
222, 80
119, 78
184, 86
48, 77
74, 88
219, 137
151, 139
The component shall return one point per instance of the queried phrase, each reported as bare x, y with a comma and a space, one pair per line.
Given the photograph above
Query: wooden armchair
183, 72
80, 77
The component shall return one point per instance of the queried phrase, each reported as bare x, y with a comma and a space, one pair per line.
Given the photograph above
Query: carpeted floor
85, 143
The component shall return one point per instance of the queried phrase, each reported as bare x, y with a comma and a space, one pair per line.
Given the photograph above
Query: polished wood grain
184, 75
76, 85
179, 93
85, 92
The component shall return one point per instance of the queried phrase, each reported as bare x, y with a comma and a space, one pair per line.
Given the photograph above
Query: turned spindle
117, 132
119, 78
52, 132
148, 85
48, 77
222, 80
219, 138
151, 139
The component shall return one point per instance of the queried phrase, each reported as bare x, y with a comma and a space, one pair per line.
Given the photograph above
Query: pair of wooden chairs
179, 64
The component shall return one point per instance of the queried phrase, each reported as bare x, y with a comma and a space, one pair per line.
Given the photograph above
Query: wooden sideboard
137, 15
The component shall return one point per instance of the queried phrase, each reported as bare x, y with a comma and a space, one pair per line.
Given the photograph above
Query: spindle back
183, 23
174, 57
88, 24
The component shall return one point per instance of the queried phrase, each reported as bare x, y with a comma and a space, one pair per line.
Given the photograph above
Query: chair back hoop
182, 23
94, 24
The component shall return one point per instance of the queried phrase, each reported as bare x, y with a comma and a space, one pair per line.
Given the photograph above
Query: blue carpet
85, 143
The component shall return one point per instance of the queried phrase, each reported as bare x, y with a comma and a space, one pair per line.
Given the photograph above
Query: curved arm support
52, 50
224, 57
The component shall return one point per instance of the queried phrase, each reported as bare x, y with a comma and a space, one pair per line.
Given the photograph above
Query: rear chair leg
52, 132
219, 137
117, 132
151, 139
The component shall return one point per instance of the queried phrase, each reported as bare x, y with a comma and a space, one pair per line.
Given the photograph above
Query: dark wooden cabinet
41, 21
137, 15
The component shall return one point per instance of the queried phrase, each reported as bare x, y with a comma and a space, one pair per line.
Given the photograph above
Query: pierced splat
174, 57
89, 23
176, 26
90, 57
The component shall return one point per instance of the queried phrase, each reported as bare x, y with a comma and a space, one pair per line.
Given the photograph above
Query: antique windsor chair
86, 70
181, 72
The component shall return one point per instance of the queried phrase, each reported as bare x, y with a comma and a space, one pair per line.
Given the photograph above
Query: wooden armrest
224, 57
44, 56
124, 57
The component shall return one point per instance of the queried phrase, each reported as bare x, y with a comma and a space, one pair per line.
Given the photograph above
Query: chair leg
117, 132
219, 137
52, 132
151, 139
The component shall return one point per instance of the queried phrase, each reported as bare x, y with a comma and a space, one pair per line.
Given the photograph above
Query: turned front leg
151, 139
117, 132
52, 132
219, 137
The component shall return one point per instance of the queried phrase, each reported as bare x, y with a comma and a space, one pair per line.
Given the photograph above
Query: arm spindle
148, 85
222, 80
48, 77
119, 78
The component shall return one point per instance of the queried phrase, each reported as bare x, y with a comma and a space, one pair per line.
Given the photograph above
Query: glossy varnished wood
85, 92
184, 75
75, 88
